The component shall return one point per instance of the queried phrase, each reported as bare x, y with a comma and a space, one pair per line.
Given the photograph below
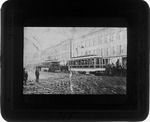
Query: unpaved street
59, 83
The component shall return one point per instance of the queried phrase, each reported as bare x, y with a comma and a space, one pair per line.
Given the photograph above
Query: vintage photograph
75, 60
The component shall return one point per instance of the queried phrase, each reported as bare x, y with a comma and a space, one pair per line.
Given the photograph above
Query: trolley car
88, 64
50, 65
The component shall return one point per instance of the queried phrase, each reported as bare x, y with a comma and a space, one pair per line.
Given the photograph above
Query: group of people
116, 70
25, 75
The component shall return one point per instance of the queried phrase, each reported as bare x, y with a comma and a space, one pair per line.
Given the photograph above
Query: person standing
37, 74
25, 76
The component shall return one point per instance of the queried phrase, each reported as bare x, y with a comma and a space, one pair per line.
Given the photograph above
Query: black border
133, 106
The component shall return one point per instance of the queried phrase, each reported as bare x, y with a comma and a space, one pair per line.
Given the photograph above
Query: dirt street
59, 83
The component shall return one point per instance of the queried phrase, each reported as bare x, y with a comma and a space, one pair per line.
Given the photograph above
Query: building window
110, 37
73, 46
96, 41
120, 35
107, 38
113, 36
91, 42
99, 52
107, 51
77, 46
94, 52
125, 49
114, 50
102, 39
124, 34
99, 40
102, 52
121, 48
82, 44
90, 52
88, 43
85, 43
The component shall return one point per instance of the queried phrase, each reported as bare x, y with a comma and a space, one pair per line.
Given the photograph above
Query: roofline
102, 28
86, 57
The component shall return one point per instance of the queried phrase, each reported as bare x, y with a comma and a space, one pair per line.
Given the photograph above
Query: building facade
65, 51
59, 52
108, 43
53, 53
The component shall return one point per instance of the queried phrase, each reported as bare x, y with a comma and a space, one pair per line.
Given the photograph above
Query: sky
45, 37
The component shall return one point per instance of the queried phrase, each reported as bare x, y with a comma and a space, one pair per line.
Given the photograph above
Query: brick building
109, 43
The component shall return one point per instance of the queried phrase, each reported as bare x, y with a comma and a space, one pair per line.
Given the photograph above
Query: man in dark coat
25, 76
37, 74
117, 67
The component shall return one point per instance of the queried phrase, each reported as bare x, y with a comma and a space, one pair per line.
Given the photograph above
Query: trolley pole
71, 85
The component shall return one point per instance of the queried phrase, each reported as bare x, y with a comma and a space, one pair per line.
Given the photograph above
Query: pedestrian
117, 67
113, 69
117, 63
109, 69
37, 74
25, 73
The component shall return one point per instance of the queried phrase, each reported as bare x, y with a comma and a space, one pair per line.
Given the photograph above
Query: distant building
59, 52
65, 51
53, 53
